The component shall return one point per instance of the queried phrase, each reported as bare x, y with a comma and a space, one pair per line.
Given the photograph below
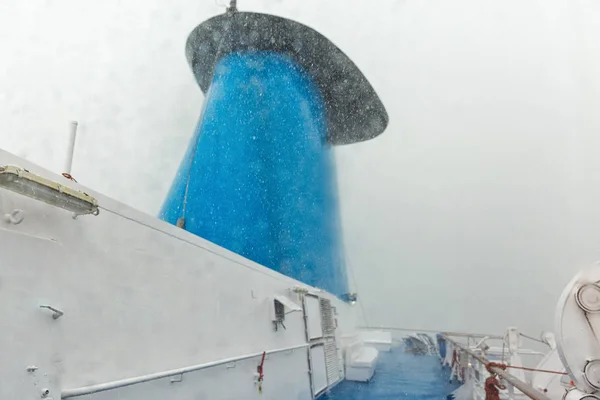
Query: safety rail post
524, 387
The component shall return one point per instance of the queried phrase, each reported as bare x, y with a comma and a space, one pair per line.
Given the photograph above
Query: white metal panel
313, 313
29, 279
319, 368
140, 296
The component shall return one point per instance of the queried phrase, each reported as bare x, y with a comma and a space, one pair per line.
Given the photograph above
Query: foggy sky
470, 213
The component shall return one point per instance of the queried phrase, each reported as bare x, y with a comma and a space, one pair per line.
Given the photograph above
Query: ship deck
399, 376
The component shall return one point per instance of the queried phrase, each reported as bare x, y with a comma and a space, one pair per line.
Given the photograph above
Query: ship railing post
71, 148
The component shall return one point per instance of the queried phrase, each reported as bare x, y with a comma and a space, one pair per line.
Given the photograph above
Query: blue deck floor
399, 376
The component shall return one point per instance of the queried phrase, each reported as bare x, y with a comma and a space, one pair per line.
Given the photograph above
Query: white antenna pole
71, 149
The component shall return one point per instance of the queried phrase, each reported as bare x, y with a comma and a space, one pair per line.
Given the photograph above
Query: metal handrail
69, 393
458, 334
524, 387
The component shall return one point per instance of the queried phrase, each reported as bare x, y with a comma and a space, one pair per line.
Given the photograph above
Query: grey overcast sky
470, 213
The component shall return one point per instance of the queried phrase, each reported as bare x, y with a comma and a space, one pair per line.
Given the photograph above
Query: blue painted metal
258, 177
399, 375
441, 345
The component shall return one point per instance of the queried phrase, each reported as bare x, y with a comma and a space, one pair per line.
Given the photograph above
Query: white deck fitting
360, 360
380, 340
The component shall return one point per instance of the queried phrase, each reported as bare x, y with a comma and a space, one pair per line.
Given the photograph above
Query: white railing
512, 380
455, 334
69, 393
478, 357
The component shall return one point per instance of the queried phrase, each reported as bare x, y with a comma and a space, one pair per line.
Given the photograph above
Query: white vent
332, 362
327, 319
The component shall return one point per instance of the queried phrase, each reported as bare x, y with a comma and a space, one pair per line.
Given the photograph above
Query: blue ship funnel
258, 177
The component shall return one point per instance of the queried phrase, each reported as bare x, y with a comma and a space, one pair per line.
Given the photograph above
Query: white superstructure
123, 304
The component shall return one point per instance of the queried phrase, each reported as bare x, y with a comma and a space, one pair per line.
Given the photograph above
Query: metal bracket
230, 365
56, 312
15, 217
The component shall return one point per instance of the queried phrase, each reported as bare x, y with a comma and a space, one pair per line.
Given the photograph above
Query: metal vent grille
327, 320
332, 362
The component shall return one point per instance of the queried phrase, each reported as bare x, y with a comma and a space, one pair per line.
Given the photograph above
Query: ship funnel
258, 177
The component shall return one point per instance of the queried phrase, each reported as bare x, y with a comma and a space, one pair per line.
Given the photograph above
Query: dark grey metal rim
354, 111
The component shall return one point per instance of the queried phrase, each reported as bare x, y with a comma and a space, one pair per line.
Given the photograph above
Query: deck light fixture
21, 181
